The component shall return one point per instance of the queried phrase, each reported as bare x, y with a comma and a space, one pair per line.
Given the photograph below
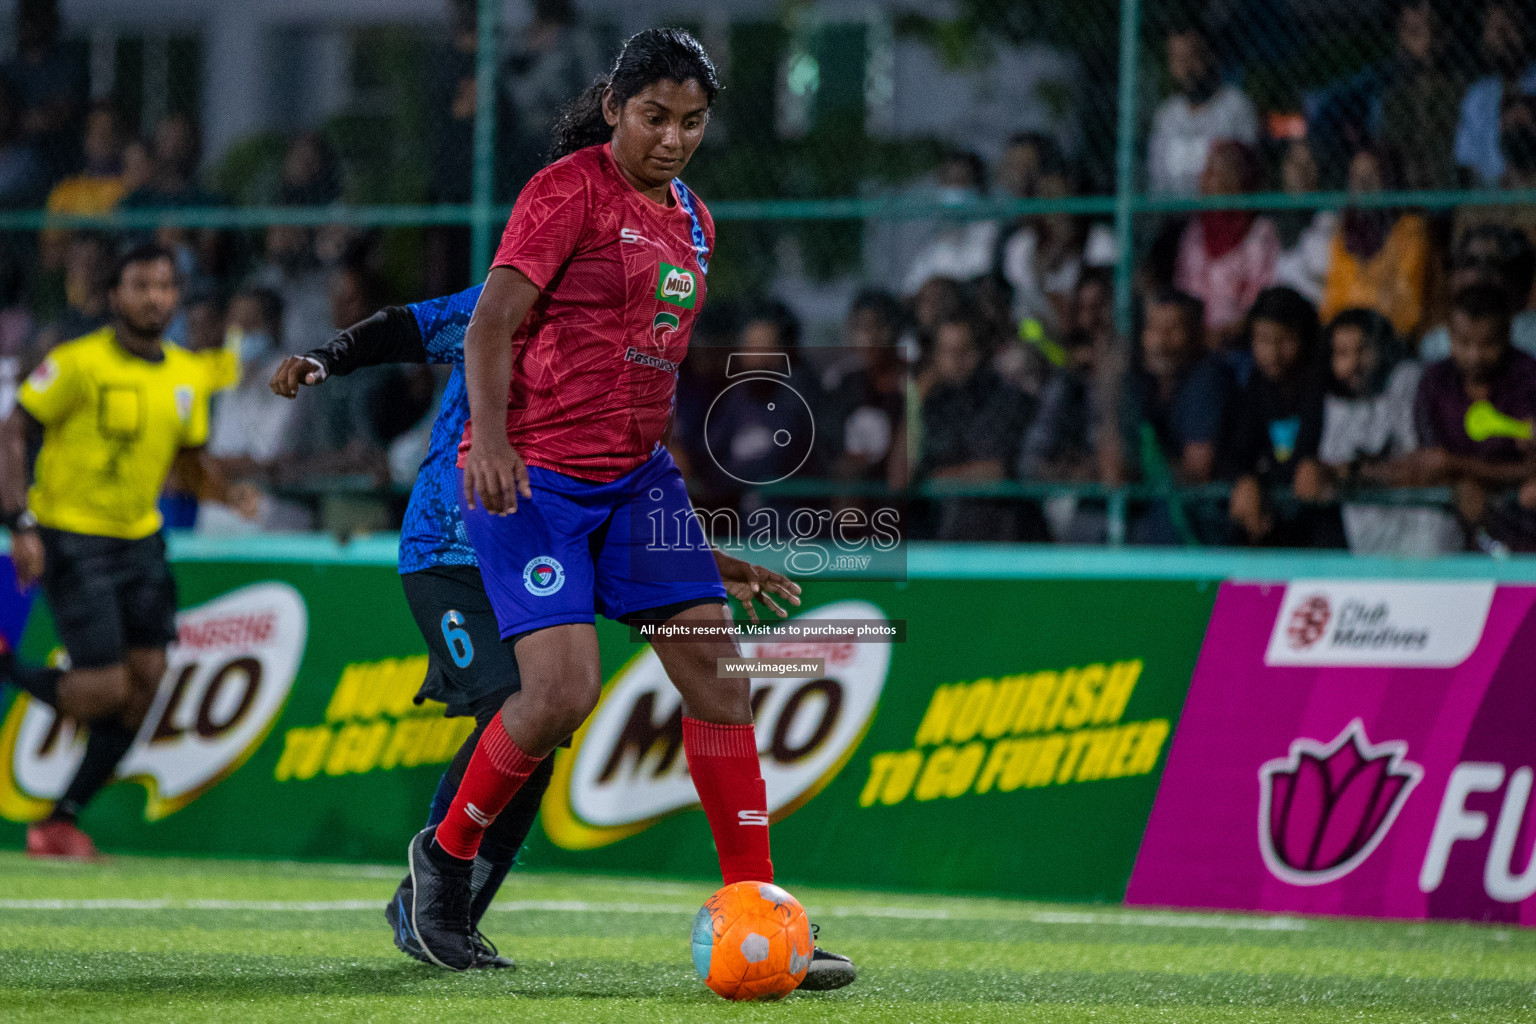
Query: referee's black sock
504, 839
105, 748
40, 682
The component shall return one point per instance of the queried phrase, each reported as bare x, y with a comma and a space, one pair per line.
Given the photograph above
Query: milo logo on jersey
626, 770
227, 678
677, 286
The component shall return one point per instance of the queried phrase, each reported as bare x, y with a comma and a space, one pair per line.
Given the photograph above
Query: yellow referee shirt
113, 424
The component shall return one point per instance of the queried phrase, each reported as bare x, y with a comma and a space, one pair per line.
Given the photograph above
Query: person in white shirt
1202, 111
960, 249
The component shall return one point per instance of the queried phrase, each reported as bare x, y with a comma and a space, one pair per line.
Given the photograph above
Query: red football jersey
622, 281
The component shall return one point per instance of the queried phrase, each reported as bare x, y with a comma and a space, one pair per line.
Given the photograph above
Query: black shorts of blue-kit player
468, 661
108, 596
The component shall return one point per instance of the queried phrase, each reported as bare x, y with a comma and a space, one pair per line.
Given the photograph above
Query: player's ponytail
647, 57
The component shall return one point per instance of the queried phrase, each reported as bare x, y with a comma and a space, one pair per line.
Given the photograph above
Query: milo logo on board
677, 286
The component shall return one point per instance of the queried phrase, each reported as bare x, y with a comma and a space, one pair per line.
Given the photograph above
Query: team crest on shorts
543, 576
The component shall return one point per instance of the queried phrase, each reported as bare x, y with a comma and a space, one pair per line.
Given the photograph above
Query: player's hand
244, 499
748, 583
294, 371
27, 555
497, 475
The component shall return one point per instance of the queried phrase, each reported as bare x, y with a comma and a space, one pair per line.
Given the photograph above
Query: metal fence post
1125, 165
483, 194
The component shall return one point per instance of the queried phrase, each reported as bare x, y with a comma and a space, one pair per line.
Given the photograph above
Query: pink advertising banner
1357, 748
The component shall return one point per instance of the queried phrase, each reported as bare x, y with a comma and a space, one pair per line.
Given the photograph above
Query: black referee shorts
108, 595
469, 663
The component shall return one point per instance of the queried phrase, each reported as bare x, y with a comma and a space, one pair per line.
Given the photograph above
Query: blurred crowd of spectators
1296, 357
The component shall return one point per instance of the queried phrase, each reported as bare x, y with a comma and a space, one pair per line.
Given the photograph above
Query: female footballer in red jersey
570, 361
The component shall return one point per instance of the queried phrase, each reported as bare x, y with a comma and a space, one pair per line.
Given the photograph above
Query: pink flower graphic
1323, 809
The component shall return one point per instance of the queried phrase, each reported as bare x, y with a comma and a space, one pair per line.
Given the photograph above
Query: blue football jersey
433, 531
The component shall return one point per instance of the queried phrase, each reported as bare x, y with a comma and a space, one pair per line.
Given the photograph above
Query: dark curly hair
647, 57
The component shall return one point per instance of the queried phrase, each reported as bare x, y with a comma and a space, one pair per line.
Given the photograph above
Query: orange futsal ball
751, 941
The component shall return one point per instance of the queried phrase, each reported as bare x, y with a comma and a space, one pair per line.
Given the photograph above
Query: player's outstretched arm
391, 335
748, 583
493, 472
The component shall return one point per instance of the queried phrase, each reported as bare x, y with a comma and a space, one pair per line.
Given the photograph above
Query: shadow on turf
204, 976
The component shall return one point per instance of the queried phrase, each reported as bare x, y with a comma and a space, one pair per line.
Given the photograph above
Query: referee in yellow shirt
118, 409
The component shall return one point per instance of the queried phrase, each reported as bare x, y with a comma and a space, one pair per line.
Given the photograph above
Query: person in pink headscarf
1227, 257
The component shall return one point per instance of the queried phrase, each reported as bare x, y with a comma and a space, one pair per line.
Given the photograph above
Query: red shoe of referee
56, 838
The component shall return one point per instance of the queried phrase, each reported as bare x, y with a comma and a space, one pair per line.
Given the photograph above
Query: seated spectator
866, 406
742, 426
1306, 236
973, 424
1227, 257
1486, 471
939, 299
1506, 51
1278, 424
1420, 99
292, 270
98, 186
1024, 162
1496, 255
177, 150
1042, 256
1380, 257
960, 249
1188, 123
1175, 404
1370, 439
311, 173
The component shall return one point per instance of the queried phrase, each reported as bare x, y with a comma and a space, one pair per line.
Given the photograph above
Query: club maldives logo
677, 286
626, 770
227, 679
1326, 807
1378, 623
543, 576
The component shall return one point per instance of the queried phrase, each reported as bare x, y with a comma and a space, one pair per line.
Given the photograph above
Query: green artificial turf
239, 942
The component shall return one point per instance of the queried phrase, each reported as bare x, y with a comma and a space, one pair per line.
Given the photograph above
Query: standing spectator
1278, 425
554, 59
1024, 162
1506, 50
960, 249
1042, 256
87, 258
973, 424
1306, 236
1518, 144
1496, 255
178, 154
1175, 404
1227, 257
52, 84
1189, 122
23, 171
1369, 438
1380, 257
1421, 99
1485, 472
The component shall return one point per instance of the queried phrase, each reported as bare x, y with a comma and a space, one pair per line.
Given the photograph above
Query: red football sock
496, 771
723, 762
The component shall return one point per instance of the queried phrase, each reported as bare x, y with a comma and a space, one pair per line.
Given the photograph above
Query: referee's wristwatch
22, 521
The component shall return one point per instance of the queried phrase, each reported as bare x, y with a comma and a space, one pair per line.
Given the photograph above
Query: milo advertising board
988, 734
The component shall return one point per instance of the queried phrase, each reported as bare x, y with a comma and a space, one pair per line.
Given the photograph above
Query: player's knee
569, 705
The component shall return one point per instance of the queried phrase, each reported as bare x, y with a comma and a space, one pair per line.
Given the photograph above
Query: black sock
505, 838
105, 748
445, 861
39, 681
